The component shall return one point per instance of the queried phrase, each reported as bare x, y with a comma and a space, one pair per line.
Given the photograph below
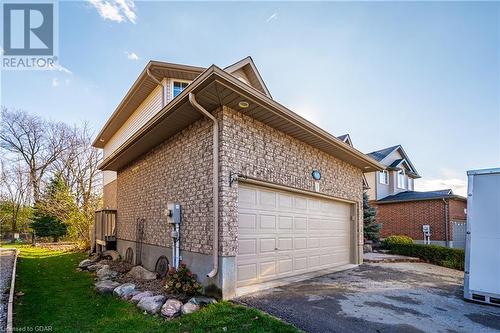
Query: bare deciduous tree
33, 140
14, 188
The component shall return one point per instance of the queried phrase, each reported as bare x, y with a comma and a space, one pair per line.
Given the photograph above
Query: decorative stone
95, 267
136, 298
202, 300
128, 295
123, 289
190, 308
106, 274
84, 264
367, 248
171, 308
140, 273
151, 304
111, 254
106, 286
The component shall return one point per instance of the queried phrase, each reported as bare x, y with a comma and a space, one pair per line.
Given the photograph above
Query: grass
57, 298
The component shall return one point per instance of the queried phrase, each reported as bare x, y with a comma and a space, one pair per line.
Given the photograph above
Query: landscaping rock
106, 287
152, 304
202, 300
124, 288
105, 273
128, 295
95, 267
190, 308
111, 254
84, 264
140, 273
171, 308
136, 298
367, 248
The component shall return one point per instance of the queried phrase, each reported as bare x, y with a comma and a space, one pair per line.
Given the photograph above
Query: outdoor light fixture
316, 174
243, 104
102, 140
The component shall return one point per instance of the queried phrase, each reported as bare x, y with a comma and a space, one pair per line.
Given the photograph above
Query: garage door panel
247, 246
267, 245
247, 221
267, 268
285, 243
267, 221
285, 223
283, 234
267, 199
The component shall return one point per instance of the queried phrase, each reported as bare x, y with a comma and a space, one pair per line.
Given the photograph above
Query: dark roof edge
455, 197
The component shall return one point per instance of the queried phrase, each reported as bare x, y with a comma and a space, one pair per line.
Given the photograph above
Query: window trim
383, 172
172, 81
401, 173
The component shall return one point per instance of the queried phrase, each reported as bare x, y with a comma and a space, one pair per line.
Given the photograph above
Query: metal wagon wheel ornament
161, 267
129, 255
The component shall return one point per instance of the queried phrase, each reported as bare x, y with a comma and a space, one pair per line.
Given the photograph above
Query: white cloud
115, 10
131, 55
459, 186
274, 16
55, 82
58, 67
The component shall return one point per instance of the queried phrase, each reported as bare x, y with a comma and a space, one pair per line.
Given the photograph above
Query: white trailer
482, 249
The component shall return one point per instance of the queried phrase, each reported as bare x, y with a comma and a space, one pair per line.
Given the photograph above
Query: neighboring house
403, 211
288, 195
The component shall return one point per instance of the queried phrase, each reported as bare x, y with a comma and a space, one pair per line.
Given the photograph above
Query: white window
401, 179
383, 177
178, 87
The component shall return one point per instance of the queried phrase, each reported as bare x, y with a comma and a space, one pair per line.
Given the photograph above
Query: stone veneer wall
178, 170
256, 150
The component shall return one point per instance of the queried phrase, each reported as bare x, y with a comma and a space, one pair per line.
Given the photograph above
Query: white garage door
283, 234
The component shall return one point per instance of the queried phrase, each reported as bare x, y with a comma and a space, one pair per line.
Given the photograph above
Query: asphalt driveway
391, 297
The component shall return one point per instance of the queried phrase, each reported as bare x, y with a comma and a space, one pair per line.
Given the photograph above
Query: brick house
265, 195
403, 211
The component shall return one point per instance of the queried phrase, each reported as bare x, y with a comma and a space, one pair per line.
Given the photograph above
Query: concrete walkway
375, 257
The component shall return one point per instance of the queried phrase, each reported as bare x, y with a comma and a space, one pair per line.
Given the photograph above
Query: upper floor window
401, 179
178, 87
383, 177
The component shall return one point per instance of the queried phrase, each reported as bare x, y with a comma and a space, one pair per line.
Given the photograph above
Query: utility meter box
482, 248
173, 212
426, 229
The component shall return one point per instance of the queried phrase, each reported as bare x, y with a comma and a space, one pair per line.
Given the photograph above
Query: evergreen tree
371, 228
52, 209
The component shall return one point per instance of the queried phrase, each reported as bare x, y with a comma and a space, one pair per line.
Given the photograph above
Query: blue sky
425, 75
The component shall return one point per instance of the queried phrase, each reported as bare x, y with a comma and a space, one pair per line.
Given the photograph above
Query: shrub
182, 281
394, 240
434, 254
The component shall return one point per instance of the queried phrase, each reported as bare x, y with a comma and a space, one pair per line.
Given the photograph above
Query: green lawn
58, 296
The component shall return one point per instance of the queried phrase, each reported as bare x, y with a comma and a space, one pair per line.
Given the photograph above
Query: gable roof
382, 154
418, 196
215, 88
346, 138
140, 90
379, 155
247, 67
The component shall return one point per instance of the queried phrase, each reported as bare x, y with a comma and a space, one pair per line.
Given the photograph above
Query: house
403, 211
263, 194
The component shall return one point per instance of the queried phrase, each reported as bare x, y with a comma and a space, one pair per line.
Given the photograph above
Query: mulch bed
157, 287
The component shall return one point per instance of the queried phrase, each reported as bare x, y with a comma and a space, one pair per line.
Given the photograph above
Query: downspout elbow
215, 181
163, 87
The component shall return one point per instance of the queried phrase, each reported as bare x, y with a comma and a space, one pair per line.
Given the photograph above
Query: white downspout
163, 86
215, 182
